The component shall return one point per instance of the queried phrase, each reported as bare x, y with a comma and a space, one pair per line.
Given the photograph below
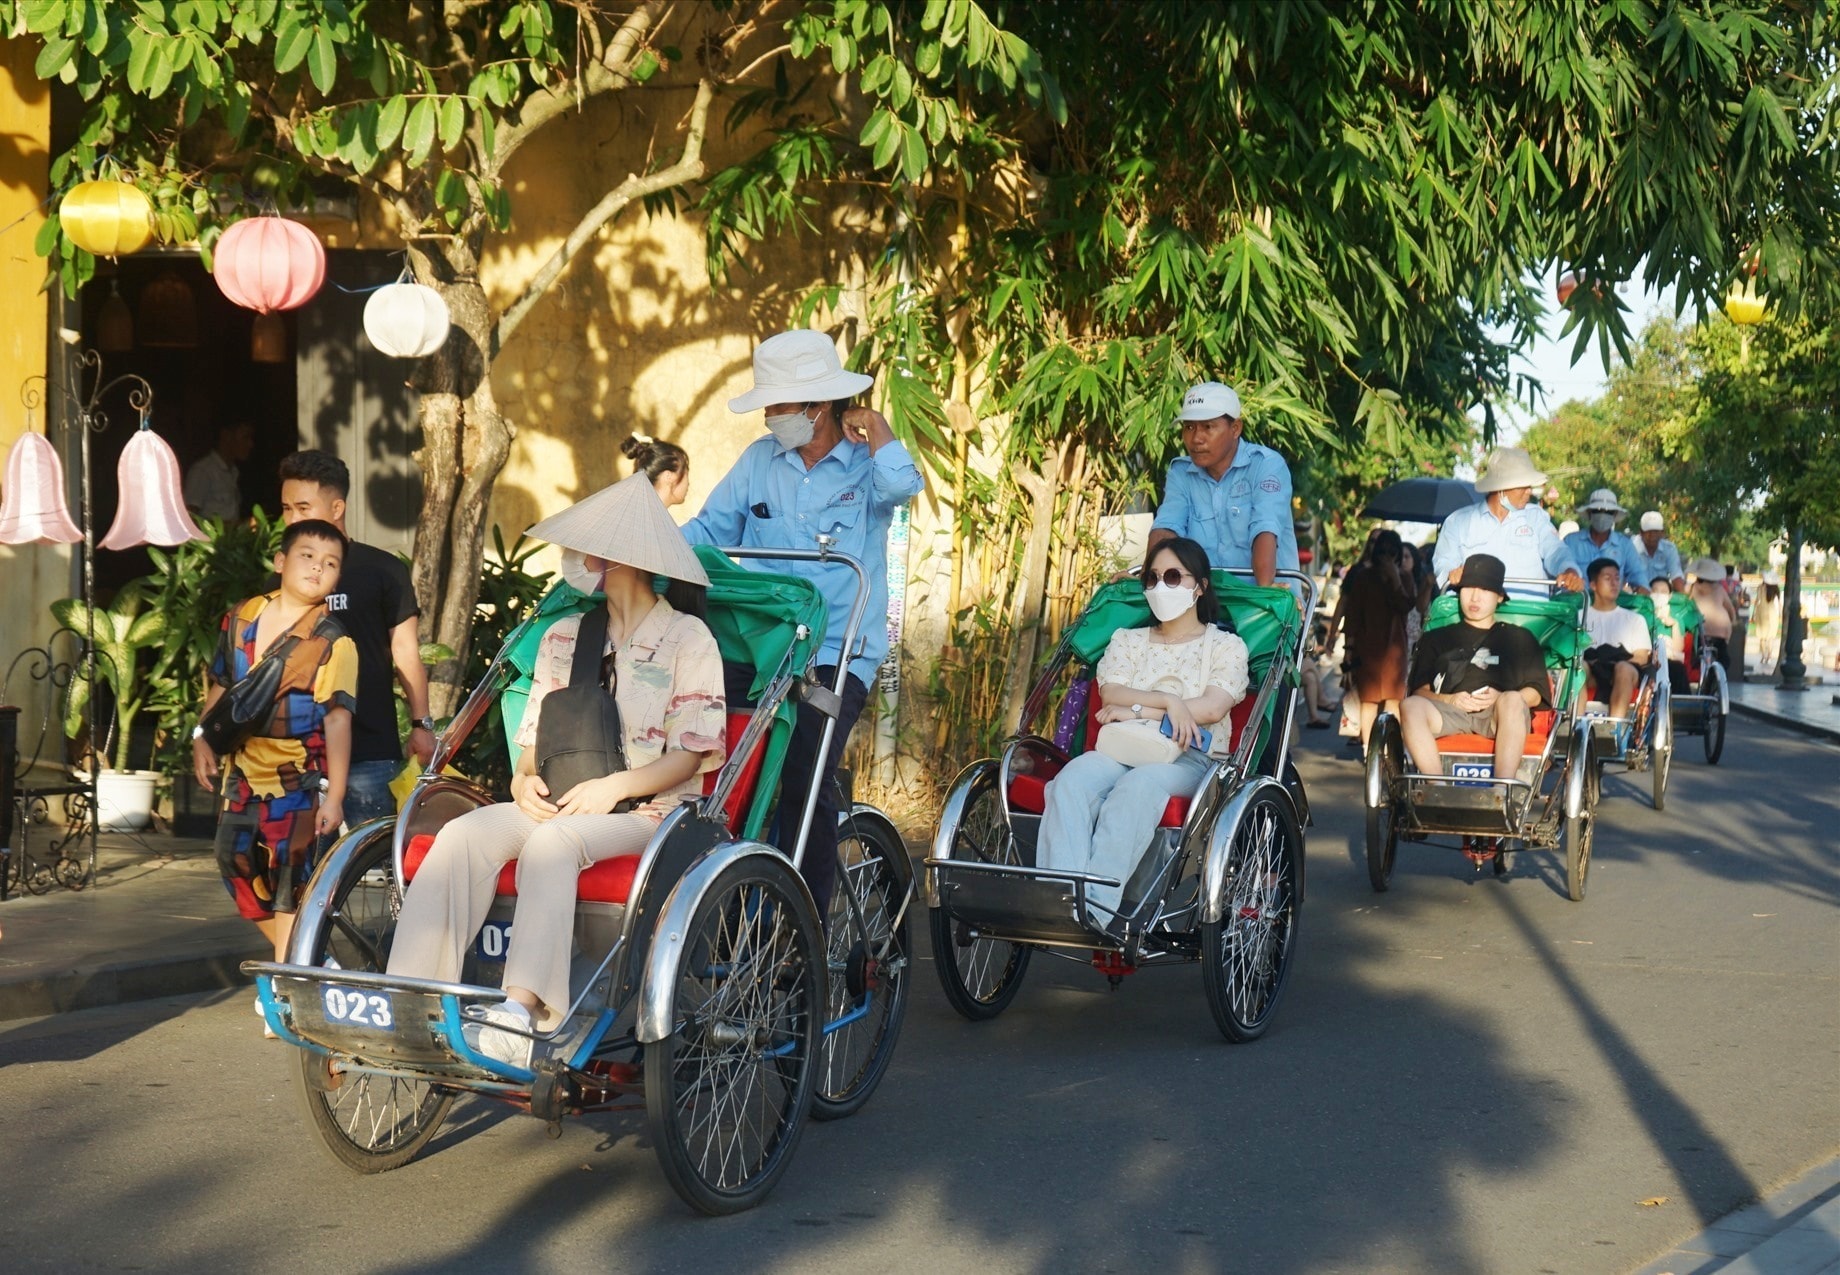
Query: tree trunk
465, 442
1032, 586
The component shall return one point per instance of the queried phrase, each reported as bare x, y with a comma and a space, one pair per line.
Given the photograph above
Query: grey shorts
1454, 721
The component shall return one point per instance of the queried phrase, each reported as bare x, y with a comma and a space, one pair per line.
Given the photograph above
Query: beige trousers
453, 890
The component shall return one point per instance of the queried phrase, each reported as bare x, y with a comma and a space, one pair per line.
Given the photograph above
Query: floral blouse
669, 688
1186, 669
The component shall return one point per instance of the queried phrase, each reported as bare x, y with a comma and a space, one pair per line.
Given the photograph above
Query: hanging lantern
169, 314
1568, 284
152, 509
1742, 304
107, 218
269, 263
406, 320
268, 341
114, 324
32, 510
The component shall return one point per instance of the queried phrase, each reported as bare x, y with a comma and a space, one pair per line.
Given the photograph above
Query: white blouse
1184, 669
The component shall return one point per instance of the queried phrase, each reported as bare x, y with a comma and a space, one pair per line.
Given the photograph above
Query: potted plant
123, 632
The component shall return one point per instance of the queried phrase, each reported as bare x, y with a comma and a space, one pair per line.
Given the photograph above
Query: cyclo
1643, 739
704, 984
1223, 880
1703, 710
1550, 802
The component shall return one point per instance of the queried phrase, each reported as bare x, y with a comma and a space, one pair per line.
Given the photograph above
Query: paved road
1467, 1075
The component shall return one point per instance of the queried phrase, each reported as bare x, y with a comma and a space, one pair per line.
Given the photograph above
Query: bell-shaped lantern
1743, 305
406, 320
32, 508
269, 263
152, 509
107, 218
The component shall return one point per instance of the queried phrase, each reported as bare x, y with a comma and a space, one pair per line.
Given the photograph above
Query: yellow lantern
1743, 305
107, 218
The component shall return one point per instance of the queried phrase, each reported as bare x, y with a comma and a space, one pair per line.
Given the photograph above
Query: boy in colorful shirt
285, 787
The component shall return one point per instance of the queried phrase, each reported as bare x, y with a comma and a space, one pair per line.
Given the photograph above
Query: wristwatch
198, 731
1137, 710
426, 723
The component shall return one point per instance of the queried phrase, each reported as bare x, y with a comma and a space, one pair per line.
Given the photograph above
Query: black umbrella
1422, 500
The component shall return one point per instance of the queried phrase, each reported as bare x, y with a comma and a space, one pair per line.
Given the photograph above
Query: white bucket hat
1710, 570
1651, 521
1507, 468
1208, 401
1602, 501
800, 366
625, 523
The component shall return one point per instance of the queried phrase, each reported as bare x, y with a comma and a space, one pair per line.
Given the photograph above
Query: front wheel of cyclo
1246, 955
869, 959
979, 976
368, 1123
727, 1092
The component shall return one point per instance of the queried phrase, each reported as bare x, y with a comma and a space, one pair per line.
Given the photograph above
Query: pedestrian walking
375, 604
1375, 602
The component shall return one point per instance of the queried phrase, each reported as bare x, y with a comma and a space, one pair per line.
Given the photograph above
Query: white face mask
1602, 521
575, 570
792, 429
1169, 603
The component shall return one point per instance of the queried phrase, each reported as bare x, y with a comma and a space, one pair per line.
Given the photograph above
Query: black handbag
578, 725
245, 708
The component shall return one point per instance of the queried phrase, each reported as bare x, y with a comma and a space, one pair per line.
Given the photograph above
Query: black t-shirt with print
374, 596
1461, 657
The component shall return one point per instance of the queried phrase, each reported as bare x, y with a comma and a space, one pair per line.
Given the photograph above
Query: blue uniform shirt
769, 500
1252, 497
1664, 562
1525, 541
1618, 547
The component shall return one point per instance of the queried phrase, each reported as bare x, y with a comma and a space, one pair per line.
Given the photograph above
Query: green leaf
54, 56
914, 155
140, 63
644, 67
46, 241
321, 64
418, 133
453, 122
390, 120
292, 44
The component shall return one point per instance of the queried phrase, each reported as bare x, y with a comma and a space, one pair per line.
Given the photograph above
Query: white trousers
453, 890
1101, 815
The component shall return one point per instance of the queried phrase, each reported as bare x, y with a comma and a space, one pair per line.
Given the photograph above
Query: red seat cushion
1541, 728
611, 880
1174, 812
1028, 792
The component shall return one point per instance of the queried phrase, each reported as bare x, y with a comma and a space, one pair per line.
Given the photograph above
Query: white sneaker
268, 1033
506, 1046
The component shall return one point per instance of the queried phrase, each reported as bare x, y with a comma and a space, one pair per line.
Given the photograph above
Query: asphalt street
1467, 1074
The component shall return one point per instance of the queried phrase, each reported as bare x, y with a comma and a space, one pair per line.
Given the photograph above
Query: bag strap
590, 644
285, 644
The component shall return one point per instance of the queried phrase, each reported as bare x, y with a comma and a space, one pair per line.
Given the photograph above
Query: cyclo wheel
1246, 955
1577, 835
980, 976
727, 1093
1382, 821
1661, 753
1714, 735
868, 968
368, 1123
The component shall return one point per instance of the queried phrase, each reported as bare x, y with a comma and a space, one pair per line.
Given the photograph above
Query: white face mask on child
1167, 603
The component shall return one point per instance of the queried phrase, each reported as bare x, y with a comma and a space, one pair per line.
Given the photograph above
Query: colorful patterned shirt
668, 684
321, 674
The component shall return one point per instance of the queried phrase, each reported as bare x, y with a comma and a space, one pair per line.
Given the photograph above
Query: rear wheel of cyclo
868, 969
1246, 955
1579, 831
1382, 820
727, 1093
367, 1123
1661, 757
1714, 735
980, 976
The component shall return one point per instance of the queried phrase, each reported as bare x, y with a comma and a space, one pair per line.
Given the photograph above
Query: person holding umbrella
1508, 525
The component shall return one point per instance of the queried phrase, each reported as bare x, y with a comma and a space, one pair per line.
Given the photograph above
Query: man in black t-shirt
375, 604
1474, 678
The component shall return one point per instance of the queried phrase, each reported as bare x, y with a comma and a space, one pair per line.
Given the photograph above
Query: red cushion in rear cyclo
609, 881
1029, 793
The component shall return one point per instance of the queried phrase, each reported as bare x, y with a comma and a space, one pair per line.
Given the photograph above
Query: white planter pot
124, 799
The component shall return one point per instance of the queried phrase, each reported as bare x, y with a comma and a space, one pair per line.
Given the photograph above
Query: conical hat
625, 523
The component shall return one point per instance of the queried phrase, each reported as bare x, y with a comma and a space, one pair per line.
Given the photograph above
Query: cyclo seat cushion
611, 880
1539, 730
1029, 793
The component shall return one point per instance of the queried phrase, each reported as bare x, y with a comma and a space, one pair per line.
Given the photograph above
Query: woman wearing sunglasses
1100, 813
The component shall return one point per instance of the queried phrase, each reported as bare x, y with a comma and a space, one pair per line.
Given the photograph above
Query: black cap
1484, 571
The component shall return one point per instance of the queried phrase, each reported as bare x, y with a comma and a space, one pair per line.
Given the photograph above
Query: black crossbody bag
578, 726
242, 710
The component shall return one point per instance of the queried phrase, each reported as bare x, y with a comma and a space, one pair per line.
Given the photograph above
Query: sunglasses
1172, 576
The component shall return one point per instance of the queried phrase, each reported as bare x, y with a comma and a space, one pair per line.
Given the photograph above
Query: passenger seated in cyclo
1479, 677
1717, 615
1180, 677
1673, 637
1620, 646
598, 771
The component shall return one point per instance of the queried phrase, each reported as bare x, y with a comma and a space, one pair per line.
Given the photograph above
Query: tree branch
611, 72
689, 167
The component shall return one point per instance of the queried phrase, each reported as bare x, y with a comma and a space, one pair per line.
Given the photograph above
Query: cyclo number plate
1472, 770
355, 1007
494, 940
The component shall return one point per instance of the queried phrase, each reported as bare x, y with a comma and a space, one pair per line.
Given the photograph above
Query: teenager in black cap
1479, 677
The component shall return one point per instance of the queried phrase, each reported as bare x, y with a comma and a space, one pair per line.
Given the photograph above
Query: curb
1786, 723
1795, 1229
130, 981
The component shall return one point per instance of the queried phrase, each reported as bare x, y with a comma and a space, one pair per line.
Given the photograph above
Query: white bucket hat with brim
1507, 468
625, 523
1602, 501
800, 366
1710, 570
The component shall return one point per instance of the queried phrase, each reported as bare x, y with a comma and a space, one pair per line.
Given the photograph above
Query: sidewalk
1815, 711
1796, 1231
156, 922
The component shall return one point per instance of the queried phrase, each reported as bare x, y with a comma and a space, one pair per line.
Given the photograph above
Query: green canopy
754, 616
1683, 608
1554, 622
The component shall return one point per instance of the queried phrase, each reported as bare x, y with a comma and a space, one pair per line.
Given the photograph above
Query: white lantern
406, 320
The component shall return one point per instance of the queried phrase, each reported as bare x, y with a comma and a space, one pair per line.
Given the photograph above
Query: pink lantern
1568, 284
269, 263
32, 509
152, 510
